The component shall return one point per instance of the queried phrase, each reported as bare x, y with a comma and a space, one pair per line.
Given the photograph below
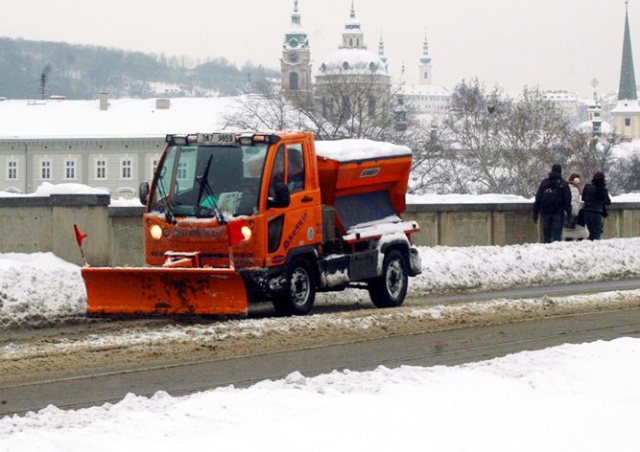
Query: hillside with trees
40, 69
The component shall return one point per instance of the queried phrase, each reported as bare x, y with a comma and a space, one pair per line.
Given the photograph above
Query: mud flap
161, 290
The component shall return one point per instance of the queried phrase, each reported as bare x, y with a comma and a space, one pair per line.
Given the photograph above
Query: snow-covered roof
123, 118
354, 60
354, 149
425, 90
627, 106
558, 96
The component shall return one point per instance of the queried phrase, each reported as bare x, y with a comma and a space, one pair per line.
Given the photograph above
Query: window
70, 169
627, 122
295, 171
125, 166
45, 170
293, 81
12, 170
101, 169
277, 171
372, 106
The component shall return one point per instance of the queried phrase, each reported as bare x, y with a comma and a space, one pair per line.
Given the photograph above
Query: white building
424, 97
111, 144
567, 103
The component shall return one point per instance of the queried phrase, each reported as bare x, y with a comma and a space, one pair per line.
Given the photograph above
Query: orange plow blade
160, 290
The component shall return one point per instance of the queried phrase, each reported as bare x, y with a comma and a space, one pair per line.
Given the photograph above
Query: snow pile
40, 288
37, 288
447, 269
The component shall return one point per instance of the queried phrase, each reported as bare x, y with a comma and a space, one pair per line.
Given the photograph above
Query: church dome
353, 61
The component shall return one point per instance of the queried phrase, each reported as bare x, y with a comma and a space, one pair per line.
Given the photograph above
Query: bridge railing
45, 224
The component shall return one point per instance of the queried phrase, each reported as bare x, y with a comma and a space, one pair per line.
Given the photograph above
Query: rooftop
57, 118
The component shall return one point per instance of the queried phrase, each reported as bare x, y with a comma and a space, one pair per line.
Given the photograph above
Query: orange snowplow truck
233, 219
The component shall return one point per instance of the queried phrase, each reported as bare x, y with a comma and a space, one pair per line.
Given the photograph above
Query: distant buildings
350, 65
115, 143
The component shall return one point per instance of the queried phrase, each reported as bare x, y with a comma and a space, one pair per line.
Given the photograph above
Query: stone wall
32, 224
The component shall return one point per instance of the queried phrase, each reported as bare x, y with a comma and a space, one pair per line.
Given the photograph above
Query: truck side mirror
143, 192
282, 196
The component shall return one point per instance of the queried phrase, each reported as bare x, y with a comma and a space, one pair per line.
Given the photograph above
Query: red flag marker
79, 238
79, 235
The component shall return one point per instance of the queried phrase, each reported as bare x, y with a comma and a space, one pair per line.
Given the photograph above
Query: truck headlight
156, 232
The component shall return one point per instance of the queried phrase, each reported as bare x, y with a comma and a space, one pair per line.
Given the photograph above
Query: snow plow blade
163, 291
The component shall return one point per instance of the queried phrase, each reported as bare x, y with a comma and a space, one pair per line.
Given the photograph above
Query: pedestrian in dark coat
553, 202
596, 199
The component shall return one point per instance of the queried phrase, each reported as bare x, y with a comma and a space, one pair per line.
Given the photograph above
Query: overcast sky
554, 44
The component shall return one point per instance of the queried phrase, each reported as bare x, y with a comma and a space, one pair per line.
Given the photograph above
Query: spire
381, 50
627, 90
295, 17
425, 59
296, 37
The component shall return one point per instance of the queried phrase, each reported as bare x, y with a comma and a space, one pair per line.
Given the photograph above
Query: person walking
596, 199
574, 229
553, 200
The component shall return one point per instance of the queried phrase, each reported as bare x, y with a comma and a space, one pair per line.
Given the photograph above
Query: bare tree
624, 174
430, 170
591, 153
267, 108
353, 103
500, 144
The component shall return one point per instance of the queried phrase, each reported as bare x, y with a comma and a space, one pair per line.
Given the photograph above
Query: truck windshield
206, 180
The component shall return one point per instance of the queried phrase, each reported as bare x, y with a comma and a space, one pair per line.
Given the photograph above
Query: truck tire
389, 289
300, 291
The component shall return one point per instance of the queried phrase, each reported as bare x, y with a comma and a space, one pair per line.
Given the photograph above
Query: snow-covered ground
567, 398
573, 397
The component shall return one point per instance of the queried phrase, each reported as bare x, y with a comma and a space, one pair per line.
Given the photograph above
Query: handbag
569, 221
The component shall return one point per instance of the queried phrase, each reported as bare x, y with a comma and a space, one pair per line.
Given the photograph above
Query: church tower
353, 37
425, 68
295, 64
626, 113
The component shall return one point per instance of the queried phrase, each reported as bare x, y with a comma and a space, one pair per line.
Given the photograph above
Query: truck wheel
300, 291
389, 289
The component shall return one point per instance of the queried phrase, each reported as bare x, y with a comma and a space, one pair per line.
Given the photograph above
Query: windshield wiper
168, 211
203, 180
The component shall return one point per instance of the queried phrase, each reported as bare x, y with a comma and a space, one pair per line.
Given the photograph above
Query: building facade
117, 165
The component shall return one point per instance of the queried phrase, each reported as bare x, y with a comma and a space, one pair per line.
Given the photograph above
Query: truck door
295, 226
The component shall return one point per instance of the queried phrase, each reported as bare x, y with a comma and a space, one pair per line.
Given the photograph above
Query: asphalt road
446, 347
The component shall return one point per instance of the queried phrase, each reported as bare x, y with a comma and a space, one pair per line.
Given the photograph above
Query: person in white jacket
575, 231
